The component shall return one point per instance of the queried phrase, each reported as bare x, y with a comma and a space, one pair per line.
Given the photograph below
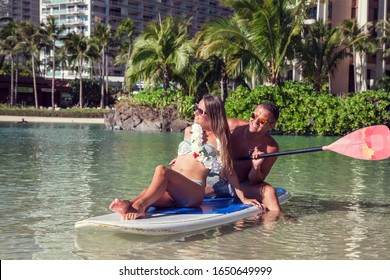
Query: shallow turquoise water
52, 175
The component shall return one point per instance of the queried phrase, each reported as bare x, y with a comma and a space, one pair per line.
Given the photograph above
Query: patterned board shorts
222, 188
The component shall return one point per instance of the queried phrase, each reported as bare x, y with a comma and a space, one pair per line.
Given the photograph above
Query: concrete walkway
51, 119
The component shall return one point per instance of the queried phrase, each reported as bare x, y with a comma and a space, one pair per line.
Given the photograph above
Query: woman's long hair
216, 112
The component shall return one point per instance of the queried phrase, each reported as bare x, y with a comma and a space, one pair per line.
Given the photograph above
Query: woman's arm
233, 180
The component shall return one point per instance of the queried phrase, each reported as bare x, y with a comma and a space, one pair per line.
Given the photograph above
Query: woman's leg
182, 190
121, 206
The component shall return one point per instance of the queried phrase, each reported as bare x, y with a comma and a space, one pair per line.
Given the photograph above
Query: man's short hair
271, 107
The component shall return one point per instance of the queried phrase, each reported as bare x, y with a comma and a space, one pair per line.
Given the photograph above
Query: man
251, 139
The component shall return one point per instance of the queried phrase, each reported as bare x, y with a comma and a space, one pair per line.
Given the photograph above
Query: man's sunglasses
200, 111
256, 116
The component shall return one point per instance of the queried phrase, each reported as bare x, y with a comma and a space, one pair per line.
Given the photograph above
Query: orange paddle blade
369, 143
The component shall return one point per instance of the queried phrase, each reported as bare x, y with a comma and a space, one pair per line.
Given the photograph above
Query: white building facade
372, 67
81, 16
27, 10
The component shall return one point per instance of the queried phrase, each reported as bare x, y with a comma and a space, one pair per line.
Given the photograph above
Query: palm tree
53, 32
161, 50
62, 59
228, 40
103, 39
124, 34
81, 51
362, 43
383, 29
256, 41
321, 52
31, 41
8, 42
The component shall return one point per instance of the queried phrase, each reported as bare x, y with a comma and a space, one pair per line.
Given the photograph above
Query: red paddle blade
369, 143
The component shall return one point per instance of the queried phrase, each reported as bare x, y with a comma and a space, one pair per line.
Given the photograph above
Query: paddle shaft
290, 152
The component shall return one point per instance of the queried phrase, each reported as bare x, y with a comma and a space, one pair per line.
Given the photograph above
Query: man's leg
217, 186
264, 193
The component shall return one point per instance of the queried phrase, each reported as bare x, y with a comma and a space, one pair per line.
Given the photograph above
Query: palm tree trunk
16, 83
363, 75
124, 76
102, 82
81, 83
106, 73
355, 86
318, 81
224, 82
166, 80
53, 78
34, 82
12, 82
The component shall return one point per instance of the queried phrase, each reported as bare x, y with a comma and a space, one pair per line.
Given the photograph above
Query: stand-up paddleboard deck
213, 212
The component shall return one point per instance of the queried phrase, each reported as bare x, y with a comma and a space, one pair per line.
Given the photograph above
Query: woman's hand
172, 163
254, 202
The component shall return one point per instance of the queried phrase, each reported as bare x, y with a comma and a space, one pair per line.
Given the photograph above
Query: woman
205, 147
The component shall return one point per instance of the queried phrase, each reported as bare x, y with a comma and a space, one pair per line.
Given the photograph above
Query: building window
353, 13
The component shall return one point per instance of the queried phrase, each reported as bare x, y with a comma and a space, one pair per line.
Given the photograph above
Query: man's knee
267, 190
270, 198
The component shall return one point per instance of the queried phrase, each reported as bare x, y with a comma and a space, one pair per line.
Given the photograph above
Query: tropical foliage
161, 52
81, 51
253, 48
124, 34
303, 111
320, 53
255, 42
31, 41
52, 32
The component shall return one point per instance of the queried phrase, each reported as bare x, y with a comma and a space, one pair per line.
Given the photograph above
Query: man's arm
262, 166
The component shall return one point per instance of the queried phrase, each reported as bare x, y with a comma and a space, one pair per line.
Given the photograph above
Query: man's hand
254, 202
256, 160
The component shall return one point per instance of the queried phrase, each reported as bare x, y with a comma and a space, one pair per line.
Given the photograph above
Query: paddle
368, 143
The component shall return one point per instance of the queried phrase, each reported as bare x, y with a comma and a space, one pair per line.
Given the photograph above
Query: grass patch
63, 113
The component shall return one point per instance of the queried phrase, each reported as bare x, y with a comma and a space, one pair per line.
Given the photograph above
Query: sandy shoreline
51, 119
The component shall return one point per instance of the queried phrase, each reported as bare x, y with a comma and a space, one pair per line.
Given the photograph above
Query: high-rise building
370, 68
84, 15
26, 10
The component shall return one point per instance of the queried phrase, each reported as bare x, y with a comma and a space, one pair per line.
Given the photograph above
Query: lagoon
52, 175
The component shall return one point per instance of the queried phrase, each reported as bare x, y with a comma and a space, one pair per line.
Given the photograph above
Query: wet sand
51, 119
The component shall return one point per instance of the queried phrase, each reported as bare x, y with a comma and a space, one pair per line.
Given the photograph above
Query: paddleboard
213, 212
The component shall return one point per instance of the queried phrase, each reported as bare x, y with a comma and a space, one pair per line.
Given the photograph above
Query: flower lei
199, 151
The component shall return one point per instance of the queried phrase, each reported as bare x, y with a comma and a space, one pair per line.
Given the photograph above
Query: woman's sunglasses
200, 111
256, 116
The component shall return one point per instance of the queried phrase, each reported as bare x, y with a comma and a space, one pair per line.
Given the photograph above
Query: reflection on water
53, 175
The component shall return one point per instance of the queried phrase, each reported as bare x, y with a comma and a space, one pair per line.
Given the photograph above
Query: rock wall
144, 118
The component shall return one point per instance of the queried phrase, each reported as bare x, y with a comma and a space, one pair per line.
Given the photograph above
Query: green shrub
303, 111
63, 113
161, 99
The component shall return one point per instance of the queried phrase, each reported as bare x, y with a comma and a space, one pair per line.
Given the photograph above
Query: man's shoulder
234, 123
271, 143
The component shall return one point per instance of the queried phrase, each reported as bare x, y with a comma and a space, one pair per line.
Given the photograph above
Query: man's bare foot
120, 206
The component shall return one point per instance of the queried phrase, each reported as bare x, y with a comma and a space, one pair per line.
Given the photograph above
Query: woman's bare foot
120, 206
136, 211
